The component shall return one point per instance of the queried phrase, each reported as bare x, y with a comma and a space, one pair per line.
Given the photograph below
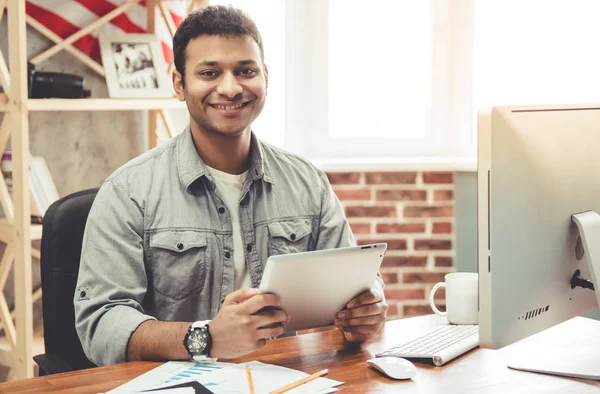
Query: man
182, 233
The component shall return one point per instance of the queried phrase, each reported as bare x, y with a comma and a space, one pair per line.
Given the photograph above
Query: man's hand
239, 328
364, 317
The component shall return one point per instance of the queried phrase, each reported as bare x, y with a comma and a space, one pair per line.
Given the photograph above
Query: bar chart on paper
171, 373
193, 372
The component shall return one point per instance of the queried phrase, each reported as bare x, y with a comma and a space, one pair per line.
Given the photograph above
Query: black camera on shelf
43, 84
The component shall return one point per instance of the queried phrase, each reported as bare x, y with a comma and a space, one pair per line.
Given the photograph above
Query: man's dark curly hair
219, 20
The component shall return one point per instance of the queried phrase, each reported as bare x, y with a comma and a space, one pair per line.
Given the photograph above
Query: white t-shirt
230, 190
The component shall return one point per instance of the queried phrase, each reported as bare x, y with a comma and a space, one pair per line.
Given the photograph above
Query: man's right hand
239, 328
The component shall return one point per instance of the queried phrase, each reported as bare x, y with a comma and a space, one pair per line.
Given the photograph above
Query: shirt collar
191, 166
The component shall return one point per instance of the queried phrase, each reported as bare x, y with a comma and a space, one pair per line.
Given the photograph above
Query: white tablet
315, 286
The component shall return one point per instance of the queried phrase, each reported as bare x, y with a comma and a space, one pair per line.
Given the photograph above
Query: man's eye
208, 73
248, 71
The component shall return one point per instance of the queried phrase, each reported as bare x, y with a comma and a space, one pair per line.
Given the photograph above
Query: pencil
300, 382
249, 376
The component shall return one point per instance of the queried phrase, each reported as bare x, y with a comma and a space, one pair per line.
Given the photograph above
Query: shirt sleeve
112, 280
334, 230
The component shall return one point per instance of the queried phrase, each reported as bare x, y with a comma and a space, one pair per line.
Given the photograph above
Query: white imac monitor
538, 222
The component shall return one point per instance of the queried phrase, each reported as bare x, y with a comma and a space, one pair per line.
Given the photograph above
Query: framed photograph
134, 66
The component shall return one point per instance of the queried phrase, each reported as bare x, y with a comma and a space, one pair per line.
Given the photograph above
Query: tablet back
315, 286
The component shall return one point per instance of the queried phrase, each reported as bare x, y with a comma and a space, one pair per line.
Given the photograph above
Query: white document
180, 390
266, 378
169, 374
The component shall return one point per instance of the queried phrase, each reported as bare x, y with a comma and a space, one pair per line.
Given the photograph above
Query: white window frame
450, 139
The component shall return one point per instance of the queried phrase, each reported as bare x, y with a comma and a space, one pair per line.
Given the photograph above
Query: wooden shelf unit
18, 344
102, 104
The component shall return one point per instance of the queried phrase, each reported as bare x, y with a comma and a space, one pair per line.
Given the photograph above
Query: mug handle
432, 295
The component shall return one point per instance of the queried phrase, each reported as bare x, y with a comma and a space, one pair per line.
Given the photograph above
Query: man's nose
229, 86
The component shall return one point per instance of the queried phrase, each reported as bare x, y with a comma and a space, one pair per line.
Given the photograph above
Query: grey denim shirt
158, 242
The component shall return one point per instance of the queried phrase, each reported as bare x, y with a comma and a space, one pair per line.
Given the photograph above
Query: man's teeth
228, 107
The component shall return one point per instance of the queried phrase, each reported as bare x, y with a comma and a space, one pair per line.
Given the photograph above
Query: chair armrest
51, 363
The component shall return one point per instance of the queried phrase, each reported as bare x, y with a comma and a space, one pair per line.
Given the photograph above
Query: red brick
401, 228
396, 244
389, 277
404, 261
440, 294
391, 178
404, 294
442, 228
361, 228
443, 261
433, 244
423, 277
416, 310
393, 244
354, 194
373, 212
401, 195
438, 177
429, 212
443, 195
392, 310
343, 178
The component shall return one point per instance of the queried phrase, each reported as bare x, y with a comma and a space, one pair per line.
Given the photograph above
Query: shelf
6, 231
141, 104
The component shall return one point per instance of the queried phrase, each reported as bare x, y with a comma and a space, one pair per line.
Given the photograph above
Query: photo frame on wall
134, 66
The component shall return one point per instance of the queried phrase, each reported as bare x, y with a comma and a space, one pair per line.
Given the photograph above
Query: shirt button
227, 255
179, 246
249, 248
293, 237
221, 210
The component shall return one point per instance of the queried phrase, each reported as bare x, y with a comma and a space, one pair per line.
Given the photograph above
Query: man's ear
178, 85
266, 69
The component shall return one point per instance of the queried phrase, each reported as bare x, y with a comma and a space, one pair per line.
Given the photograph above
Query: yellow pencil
249, 376
300, 382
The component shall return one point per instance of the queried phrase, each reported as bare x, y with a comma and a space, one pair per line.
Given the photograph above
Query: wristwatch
198, 341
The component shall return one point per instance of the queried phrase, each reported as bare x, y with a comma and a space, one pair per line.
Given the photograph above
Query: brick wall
414, 213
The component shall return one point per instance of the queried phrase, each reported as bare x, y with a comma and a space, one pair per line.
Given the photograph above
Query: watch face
197, 341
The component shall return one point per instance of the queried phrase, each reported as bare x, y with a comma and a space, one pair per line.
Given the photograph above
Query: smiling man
177, 239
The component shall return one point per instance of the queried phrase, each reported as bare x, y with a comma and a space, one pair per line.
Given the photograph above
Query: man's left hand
364, 317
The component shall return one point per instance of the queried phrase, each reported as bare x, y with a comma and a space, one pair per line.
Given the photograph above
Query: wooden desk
479, 371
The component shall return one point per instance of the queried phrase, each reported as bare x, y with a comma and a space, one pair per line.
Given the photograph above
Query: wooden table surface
478, 371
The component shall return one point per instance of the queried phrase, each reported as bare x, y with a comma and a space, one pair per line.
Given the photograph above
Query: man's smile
229, 108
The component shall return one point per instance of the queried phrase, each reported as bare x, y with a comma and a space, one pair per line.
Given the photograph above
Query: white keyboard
441, 344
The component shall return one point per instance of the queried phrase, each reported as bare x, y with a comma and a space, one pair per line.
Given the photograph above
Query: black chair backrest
62, 236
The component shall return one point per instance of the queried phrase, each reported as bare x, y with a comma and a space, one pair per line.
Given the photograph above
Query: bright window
379, 69
371, 80
536, 52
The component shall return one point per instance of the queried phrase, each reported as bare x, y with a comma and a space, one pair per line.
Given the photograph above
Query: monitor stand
567, 352
588, 224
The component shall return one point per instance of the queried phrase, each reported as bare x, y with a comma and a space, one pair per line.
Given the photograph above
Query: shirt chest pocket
289, 236
179, 262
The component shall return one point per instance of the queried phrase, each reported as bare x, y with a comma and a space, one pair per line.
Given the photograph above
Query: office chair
62, 236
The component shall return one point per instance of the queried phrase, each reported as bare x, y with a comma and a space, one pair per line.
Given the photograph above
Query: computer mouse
394, 367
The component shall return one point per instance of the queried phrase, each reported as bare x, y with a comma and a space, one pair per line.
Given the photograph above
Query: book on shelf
43, 190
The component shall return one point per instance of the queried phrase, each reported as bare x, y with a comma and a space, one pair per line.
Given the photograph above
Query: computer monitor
537, 167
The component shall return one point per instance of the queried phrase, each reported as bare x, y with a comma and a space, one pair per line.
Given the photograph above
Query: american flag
65, 17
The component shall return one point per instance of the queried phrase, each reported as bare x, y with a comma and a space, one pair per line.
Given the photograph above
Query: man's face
225, 83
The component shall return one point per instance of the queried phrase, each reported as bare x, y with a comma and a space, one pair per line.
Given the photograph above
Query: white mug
461, 297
